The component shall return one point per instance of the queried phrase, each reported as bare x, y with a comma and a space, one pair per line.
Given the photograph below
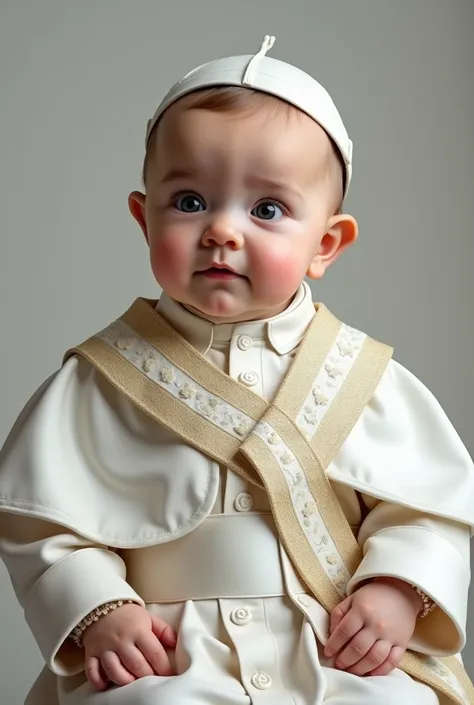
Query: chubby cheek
169, 258
280, 273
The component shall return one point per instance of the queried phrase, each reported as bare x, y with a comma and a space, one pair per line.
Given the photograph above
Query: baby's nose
223, 233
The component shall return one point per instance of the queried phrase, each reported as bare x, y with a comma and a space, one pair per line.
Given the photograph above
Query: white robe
98, 503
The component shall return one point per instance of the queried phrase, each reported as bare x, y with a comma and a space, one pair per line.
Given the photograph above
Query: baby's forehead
233, 118
239, 103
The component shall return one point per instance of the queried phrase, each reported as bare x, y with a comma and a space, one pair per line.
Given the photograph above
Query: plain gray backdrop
78, 81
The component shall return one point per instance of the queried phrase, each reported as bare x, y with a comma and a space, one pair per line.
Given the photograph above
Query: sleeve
58, 574
58, 578
416, 481
425, 551
84, 475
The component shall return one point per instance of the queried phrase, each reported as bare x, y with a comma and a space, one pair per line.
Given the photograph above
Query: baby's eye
189, 203
267, 210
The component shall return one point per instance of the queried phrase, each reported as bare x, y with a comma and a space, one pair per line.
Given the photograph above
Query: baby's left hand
370, 630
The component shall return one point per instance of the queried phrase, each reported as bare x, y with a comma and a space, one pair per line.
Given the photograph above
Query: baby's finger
155, 654
391, 662
372, 660
355, 650
163, 631
349, 626
94, 675
115, 670
339, 612
135, 662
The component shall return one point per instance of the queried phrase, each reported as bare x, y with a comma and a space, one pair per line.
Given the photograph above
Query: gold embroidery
124, 344
320, 399
149, 364
187, 391
167, 375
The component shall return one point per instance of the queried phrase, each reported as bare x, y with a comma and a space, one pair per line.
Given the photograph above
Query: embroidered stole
284, 446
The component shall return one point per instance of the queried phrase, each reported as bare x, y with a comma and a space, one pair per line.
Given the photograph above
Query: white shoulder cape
83, 456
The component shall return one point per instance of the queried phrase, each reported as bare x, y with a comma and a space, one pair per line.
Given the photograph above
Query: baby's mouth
219, 273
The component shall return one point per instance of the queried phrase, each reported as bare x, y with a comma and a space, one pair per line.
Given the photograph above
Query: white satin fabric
97, 503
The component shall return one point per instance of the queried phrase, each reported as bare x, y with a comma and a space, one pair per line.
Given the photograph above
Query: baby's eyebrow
273, 185
177, 175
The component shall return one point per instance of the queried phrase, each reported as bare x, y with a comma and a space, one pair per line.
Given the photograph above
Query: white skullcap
261, 73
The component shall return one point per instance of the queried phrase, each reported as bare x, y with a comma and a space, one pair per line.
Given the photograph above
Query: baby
227, 496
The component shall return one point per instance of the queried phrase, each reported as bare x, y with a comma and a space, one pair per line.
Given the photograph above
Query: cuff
65, 594
425, 559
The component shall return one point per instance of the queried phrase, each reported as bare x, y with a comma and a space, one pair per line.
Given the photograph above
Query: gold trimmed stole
284, 446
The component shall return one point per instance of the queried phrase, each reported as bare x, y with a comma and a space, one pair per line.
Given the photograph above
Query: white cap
261, 73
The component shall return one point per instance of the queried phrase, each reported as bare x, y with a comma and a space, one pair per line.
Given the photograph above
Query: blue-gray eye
267, 210
189, 203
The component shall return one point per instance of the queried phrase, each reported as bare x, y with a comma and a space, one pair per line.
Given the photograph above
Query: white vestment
209, 561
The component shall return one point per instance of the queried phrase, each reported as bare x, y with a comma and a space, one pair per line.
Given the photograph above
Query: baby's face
239, 208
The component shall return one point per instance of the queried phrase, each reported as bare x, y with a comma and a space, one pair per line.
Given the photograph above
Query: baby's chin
221, 307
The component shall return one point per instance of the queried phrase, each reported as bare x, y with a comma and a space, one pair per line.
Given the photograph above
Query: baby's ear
136, 204
342, 231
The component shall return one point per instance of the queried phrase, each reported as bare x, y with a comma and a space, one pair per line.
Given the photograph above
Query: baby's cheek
281, 273
169, 257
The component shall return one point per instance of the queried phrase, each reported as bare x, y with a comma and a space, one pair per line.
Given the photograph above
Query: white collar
284, 331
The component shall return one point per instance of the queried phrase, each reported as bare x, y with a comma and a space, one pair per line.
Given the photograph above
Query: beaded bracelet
94, 616
428, 604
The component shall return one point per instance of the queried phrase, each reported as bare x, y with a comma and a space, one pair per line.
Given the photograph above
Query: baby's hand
370, 630
126, 644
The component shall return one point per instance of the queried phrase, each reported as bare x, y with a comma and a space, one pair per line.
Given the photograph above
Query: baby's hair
235, 99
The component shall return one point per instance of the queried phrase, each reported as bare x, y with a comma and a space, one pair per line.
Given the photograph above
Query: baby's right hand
126, 644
